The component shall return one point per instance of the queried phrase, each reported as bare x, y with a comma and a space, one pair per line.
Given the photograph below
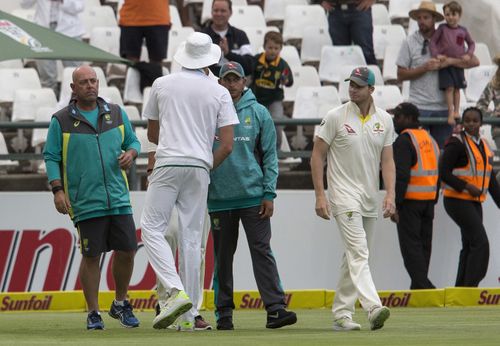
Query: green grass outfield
407, 326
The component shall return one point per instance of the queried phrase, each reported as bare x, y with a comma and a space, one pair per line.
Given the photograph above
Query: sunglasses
424, 47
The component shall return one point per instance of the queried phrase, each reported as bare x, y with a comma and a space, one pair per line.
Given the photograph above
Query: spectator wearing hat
357, 138
243, 188
233, 42
416, 64
183, 112
416, 156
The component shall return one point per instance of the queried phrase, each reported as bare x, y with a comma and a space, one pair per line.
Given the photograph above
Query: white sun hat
197, 51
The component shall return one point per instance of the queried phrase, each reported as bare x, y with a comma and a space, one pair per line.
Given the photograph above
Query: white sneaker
345, 324
377, 316
175, 307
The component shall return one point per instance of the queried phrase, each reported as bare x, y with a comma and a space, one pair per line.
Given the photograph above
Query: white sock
119, 302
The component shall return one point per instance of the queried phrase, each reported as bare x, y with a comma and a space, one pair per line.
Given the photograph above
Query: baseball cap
231, 67
362, 76
406, 109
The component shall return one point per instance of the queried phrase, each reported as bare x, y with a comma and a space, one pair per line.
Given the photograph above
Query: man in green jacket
89, 146
243, 188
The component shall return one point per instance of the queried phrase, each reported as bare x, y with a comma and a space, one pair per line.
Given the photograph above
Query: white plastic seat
333, 57
98, 16
298, 17
247, 16
274, 10
4, 164
43, 114
310, 100
291, 55
67, 79
176, 36
9, 6
111, 94
175, 18
345, 72
106, 38
384, 35
387, 96
145, 97
302, 76
27, 101
132, 90
92, 3
482, 52
400, 8
16, 63
25, 13
206, 11
132, 112
142, 135
477, 79
380, 15
256, 35
389, 68
315, 37
17, 78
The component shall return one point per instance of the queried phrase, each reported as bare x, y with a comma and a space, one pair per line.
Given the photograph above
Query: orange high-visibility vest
477, 172
424, 173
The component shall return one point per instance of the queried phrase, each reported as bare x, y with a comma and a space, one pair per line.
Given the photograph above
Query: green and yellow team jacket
84, 155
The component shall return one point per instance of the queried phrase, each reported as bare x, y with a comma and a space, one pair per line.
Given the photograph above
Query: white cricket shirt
354, 156
189, 106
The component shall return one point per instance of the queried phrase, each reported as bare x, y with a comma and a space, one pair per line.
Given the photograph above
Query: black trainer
280, 318
94, 321
225, 323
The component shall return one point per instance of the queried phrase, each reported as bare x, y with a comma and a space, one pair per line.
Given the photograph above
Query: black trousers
415, 240
225, 227
475, 253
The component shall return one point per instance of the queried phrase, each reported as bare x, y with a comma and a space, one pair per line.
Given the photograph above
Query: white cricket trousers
186, 188
172, 235
355, 279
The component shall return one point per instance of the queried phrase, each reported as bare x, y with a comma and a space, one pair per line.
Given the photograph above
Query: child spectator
271, 73
448, 41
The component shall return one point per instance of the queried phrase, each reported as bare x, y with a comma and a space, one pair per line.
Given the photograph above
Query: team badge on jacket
378, 128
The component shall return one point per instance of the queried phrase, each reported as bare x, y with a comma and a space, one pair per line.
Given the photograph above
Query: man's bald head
85, 86
83, 70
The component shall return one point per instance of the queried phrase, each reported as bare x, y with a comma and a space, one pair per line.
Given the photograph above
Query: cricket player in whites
357, 139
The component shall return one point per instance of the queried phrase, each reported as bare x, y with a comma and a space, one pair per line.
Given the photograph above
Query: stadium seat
302, 76
27, 101
247, 16
274, 10
389, 68
43, 114
132, 113
206, 11
291, 55
111, 94
298, 17
384, 35
106, 38
93, 3
132, 90
333, 57
17, 78
387, 96
175, 18
400, 8
145, 97
309, 101
315, 37
4, 164
176, 36
482, 52
477, 79
345, 72
67, 78
256, 36
289, 162
380, 15
142, 136
16, 63
98, 16
9, 6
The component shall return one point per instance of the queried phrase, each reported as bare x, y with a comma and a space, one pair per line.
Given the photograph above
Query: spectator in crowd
64, 18
357, 138
149, 20
467, 172
416, 65
184, 110
89, 184
244, 188
350, 21
448, 41
271, 74
233, 42
172, 237
416, 156
491, 93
